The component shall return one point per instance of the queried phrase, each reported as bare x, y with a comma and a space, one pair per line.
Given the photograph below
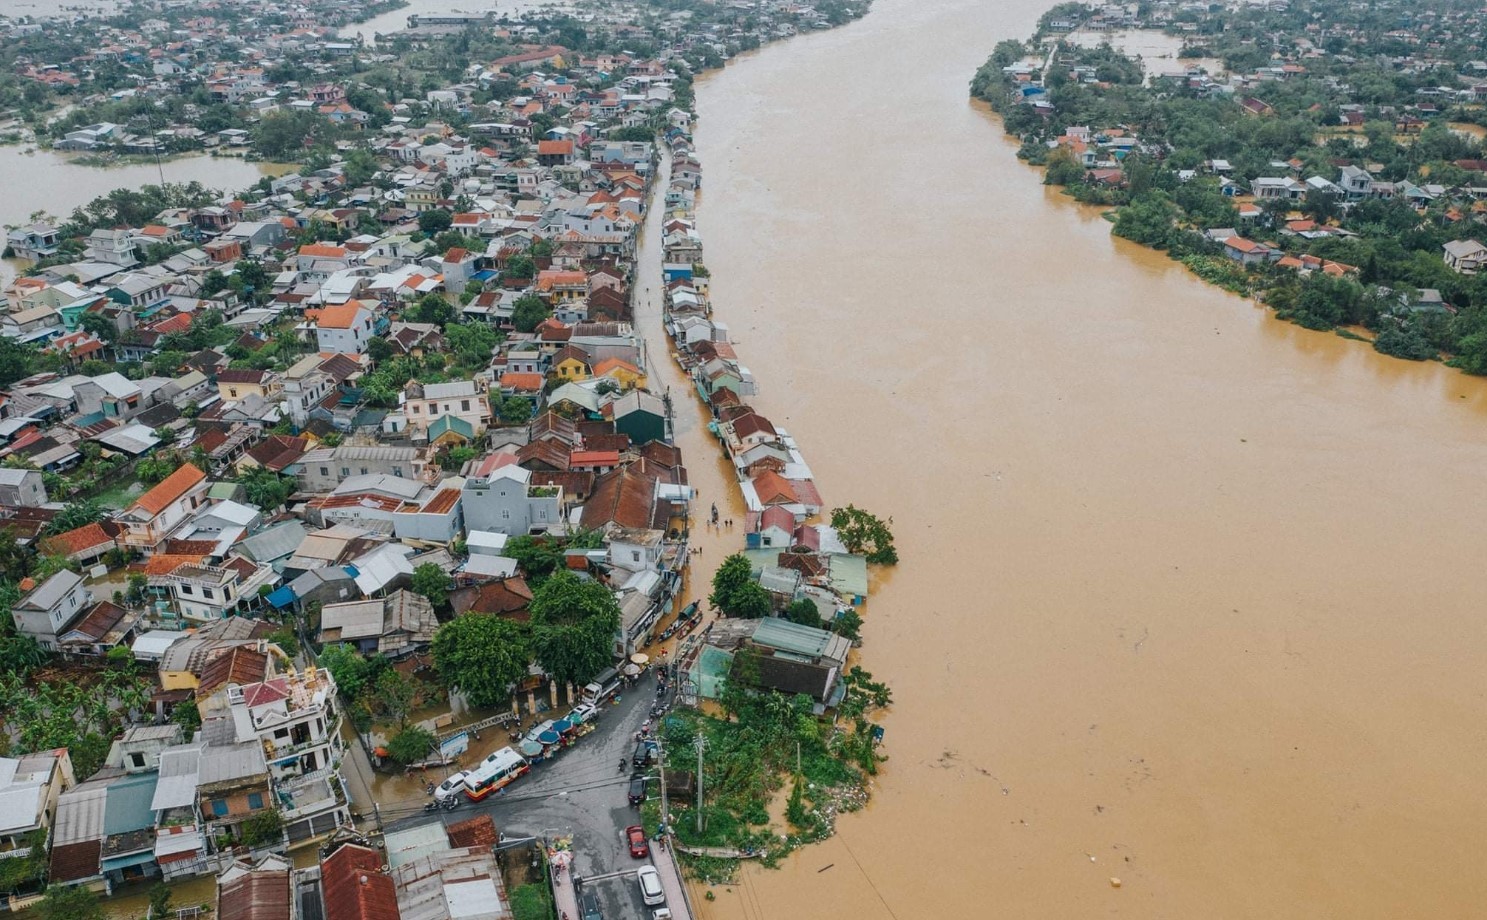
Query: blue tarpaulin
281, 597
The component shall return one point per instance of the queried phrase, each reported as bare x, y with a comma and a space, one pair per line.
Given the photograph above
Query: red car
638, 847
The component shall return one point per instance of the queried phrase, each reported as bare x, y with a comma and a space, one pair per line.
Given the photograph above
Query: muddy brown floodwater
1190, 597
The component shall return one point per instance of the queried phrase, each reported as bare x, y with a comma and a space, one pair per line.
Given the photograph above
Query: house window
363, 471
345, 471
255, 800
232, 392
397, 471
464, 405
219, 807
634, 555
325, 471
207, 593
186, 589
505, 513
137, 760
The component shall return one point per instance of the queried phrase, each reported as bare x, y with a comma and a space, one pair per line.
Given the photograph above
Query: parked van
602, 687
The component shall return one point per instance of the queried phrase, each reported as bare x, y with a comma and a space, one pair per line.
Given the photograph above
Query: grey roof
356, 452
226, 763
14, 477
49, 592
276, 542
80, 813
453, 390
355, 619
786, 636
178, 777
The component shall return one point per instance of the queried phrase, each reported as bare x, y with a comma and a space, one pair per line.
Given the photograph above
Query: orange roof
610, 364
551, 278
172, 488
594, 458
341, 316
178, 323
554, 147
77, 540
515, 381
165, 563
323, 251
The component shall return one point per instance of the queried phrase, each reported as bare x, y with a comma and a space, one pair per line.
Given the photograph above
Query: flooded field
1189, 596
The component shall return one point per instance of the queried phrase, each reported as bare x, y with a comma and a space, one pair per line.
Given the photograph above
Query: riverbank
756, 747
1272, 178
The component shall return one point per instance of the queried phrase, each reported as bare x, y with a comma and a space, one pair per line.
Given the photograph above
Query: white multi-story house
207, 593
426, 402
46, 613
498, 497
298, 722
344, 329
156, 513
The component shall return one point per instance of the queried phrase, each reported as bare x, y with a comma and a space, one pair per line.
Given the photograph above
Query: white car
651, 891
452, 786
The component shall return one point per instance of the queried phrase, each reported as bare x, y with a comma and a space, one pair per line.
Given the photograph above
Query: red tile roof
78, 540
74, 861
354, 887
170, 490
341, 316
239, 665
479, 831
263, 894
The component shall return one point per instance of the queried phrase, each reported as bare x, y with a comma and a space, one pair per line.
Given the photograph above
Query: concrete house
426, 402
499, 497
21, 488
344, 328
51, 608
1465, 257
156, 513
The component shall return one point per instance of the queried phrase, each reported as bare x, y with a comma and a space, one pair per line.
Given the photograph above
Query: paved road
581, 794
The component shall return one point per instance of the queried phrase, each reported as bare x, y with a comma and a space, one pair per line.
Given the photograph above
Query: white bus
495, 771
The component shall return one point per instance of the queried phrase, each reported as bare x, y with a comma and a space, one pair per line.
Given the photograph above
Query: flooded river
54, 183
1190, 597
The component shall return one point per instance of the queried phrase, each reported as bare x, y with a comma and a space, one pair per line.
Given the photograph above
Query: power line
868, 879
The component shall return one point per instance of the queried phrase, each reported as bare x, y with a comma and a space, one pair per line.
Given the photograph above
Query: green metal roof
128, 807
792, 637
849, 574
454, 423
712, 666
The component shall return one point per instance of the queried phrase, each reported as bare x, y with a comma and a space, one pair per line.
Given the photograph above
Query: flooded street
1190, 597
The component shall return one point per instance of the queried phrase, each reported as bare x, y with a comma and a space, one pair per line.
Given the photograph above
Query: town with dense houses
1322, 156
365, 478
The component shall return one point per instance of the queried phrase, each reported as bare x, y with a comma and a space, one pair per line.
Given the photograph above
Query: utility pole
661, 762
701, 743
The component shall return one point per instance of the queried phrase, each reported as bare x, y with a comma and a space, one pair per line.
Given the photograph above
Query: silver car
651, 891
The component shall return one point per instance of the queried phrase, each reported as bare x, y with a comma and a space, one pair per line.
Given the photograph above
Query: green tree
528, 311
411, 745
1146, 220
537, 556
433, 308
574, 621
187, 716
353, 673
518, 266
379, 349
70, 902
100, 326
435, 221
77, 514
265, 488
865, 533
805, 612
160, 900
729, 580
848, 624
481, 656
286, 639
750, 602
262, 828
394, 696
433, 583
515, 411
